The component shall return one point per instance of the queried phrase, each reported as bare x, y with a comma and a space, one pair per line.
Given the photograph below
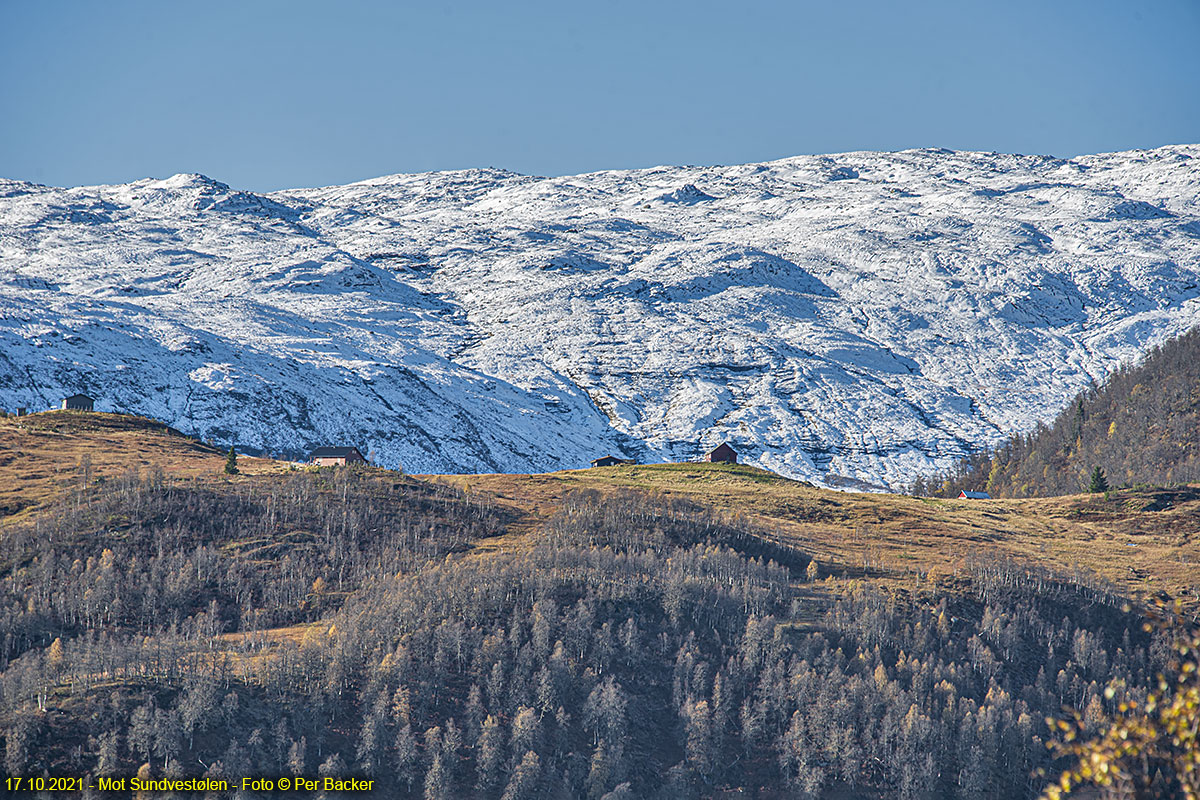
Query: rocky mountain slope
868, 315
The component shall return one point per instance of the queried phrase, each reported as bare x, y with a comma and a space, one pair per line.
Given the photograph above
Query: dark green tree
1097, 483
231, 467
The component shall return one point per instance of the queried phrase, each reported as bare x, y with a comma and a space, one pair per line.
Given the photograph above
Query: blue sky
266, 94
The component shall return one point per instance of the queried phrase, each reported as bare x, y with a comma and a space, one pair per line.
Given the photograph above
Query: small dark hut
611, 461
722, 453
78, 402
335, 456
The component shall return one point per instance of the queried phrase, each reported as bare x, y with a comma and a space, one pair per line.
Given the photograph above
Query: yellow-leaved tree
1148, 748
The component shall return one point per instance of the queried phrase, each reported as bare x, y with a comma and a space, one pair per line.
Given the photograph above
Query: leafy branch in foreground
1150, 745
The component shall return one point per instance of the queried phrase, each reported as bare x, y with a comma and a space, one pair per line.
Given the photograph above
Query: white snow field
866, 315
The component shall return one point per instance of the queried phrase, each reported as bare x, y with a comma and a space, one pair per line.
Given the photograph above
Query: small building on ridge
335, 456
612, 461
722, 453
964, 495
78, 402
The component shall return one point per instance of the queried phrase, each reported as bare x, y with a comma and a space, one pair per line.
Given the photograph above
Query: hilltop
43, 454
871, 316
1141, 540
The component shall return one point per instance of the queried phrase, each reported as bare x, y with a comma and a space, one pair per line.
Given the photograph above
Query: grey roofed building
331, 456
611, 461
78, 402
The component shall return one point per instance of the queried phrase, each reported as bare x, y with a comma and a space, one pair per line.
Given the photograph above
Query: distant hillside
1142, 426
853, 317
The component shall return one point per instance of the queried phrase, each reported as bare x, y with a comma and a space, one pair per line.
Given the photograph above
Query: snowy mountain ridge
862, 315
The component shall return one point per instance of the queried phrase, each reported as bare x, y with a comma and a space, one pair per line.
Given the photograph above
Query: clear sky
267, 94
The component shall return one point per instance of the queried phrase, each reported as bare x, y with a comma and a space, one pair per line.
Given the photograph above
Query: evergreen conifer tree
1097, 483
231, 467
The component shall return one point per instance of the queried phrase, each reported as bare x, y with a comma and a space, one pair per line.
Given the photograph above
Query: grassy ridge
1144, 540
42, 454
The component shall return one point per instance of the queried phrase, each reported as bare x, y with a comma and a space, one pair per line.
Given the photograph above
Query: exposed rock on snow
853, 319
686, 195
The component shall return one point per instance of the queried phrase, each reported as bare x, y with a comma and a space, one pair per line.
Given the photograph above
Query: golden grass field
41, 454
1144, 541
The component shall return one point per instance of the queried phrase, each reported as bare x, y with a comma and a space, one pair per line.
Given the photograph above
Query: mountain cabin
78, 402
974, 496
612, 461
721, 454
336, 456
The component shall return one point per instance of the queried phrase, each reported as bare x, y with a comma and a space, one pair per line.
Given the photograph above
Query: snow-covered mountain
870, 315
